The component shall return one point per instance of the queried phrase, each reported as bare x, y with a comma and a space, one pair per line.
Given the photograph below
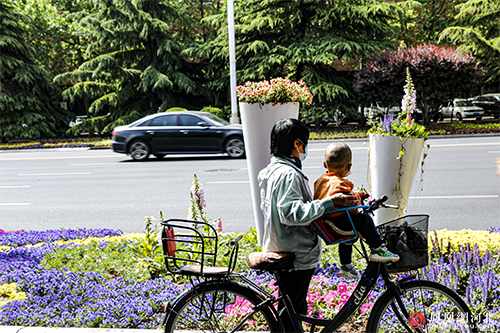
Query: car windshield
216, 119
463, 103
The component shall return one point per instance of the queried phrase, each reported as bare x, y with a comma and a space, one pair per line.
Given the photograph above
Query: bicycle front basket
407, 237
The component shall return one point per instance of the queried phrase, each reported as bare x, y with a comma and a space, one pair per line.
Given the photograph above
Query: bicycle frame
365, 285
360, 293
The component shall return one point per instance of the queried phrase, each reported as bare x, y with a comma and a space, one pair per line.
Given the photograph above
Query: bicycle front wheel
429, 307
221, 306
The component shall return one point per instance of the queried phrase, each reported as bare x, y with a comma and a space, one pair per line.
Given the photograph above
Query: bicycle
220, 300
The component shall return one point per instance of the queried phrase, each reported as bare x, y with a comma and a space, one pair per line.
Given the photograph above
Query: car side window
168, 120
189, 120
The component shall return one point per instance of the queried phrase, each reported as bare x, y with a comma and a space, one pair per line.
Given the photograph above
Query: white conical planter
385, 171
258, 121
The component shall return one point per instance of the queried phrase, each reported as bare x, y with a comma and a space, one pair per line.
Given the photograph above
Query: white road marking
12, 186
231, 182
55, 174
15, 204
458, 197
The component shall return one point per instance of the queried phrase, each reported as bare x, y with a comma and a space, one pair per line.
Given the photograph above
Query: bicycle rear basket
407, 237
190, 248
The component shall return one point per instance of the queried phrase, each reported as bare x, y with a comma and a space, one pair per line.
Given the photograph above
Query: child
338, 158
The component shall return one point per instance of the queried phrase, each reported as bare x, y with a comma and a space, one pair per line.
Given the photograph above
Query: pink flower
219, 225
342, 287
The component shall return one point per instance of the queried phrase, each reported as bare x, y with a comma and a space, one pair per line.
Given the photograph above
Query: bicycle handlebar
379, 203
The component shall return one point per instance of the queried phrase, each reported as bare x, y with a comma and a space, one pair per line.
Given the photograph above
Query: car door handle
150, 132
185, 132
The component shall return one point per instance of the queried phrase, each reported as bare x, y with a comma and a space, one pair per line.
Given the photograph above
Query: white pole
232, 63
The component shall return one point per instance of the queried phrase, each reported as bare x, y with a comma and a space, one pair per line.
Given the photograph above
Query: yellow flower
8, 293
456, 239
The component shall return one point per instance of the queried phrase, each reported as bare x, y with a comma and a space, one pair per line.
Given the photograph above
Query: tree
317, 41
422, 21
54, 33
27, 98
477, 31
440, 74
136, 67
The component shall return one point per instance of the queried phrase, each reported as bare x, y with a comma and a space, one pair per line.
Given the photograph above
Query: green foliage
341, 133
175, 108
421, 21
477, 31
148, 250
224, 114
26, 96
134, 67
110, 259
58, 40
300, 40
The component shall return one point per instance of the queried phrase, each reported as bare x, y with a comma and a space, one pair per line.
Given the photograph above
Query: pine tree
27, 107
302, 40
136, 67
477, 31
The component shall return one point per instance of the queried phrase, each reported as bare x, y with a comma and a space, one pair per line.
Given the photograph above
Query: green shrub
218, 112
110, 259
175, 108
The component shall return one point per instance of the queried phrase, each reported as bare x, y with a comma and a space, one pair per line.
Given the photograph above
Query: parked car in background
78, 120
459, 109
490, 103
378, 110
182, 132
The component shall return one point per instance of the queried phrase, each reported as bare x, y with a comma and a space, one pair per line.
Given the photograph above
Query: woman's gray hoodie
288, 210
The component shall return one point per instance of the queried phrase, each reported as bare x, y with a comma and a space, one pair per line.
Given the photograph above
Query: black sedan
490, 103
182, 132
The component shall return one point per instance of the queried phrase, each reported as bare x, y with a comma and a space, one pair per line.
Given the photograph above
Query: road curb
34, 329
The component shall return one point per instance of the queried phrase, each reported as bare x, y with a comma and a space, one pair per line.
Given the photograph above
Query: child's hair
338, 155
284, 134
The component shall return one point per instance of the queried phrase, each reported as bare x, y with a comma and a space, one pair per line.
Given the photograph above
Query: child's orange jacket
328, 184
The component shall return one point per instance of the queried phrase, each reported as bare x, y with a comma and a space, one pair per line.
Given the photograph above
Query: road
70, 188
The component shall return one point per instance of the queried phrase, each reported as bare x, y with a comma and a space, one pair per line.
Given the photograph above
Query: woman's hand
344, 200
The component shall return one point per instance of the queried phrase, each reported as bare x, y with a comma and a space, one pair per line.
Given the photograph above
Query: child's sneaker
348, 272
382, 254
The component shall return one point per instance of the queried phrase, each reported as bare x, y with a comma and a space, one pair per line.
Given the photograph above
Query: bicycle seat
271, 261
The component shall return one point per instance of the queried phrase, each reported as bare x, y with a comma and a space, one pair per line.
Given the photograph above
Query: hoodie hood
275, 164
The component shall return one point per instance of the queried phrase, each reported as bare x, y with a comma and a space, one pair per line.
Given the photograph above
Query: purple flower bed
64, 299
19, 238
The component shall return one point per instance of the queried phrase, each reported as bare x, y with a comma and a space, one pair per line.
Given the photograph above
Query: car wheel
139, 150
234, 147
458, 116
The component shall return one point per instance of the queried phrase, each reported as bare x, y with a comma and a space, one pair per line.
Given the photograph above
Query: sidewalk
21, 329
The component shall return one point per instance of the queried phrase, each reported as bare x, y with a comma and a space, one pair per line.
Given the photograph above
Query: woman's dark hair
284, 134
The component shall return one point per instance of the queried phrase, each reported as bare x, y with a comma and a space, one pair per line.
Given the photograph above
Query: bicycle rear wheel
221, 306
431, 307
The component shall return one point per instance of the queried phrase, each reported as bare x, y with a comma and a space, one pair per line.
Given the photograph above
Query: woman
289, 209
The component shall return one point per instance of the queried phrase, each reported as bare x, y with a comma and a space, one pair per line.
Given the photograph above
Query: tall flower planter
258, 121
390, 175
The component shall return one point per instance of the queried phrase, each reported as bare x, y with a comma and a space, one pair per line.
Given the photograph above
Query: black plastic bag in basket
410, 244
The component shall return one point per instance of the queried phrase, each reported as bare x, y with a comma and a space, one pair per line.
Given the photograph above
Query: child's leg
345, 253
347, 270
364, 225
